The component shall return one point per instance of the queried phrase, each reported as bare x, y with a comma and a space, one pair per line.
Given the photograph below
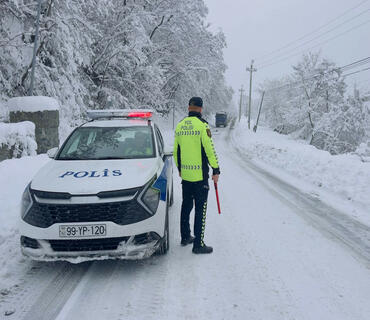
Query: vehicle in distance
105, 194
221, 119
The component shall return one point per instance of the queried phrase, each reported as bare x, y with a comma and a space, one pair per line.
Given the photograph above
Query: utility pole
259, 112
30, 92
241, 101
251, 70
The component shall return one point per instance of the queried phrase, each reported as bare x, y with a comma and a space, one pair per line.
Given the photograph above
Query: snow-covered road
278, 254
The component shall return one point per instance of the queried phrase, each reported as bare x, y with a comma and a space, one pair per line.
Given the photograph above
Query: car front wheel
171, 198
165, 245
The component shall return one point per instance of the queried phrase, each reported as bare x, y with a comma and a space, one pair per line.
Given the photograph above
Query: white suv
105, 194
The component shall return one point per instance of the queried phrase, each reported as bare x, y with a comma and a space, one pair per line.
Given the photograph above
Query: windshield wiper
70, 158
111, 158
102, 158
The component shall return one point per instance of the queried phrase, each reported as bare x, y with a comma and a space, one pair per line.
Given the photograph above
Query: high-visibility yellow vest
194, 149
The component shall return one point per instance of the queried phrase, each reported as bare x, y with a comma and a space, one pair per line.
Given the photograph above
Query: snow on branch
18, 138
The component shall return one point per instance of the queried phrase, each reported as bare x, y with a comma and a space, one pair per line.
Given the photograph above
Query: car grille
44, 215
86, 245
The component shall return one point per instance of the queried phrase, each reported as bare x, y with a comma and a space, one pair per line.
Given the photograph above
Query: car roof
118, 123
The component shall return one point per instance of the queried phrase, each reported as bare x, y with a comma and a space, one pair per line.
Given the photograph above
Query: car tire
165, 245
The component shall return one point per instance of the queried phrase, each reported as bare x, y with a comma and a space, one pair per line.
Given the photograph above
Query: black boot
202, 249
187, 241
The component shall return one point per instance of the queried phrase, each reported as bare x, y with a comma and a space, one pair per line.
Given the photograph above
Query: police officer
193, 152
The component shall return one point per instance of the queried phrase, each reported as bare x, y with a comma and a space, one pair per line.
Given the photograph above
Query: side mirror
168, 152
52, 152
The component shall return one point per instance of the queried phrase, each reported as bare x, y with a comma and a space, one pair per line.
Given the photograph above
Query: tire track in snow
120, 290
279, 299
55, 295
150, 292
328, 285
42, 290
333, 223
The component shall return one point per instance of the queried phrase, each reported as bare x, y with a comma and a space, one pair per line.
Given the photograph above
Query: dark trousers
194, 193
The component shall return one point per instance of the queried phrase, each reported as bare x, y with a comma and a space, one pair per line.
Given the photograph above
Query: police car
105, 194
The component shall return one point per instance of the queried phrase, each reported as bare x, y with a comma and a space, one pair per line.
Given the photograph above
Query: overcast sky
256, 28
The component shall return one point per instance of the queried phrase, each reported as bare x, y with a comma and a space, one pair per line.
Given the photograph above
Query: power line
350, 66
315, 46
350, 74
317, 37
356, 63
363, 81
315, 30
298, 84
319, 44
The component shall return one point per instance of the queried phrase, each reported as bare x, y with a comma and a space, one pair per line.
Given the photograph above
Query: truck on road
221, 119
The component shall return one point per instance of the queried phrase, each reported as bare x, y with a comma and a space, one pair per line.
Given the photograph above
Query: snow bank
364, 151
32, 104
15, 174
346, 175
18, 137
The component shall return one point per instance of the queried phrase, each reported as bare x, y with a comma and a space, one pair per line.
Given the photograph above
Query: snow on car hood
91, 177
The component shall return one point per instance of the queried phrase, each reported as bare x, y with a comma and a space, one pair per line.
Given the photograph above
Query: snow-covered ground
277, 256
341, 180
15, 174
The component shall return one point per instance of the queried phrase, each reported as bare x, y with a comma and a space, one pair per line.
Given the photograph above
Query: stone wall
5, 153
47, 124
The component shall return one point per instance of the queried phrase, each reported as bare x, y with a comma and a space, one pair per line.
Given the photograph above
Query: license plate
75, 231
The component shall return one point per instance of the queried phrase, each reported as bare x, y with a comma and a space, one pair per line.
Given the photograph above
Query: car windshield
97, 143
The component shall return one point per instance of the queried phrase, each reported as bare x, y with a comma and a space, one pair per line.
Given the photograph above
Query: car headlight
26, 201
151, 196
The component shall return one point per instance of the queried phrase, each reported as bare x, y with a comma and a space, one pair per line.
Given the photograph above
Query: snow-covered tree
113, 53
63, 47
322, 88
311, 104
343, 128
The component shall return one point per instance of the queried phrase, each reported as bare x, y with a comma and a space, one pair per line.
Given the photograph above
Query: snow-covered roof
32, 104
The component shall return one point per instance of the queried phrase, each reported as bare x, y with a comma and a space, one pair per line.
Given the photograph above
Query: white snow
20, 136
15, 174
364, 151
269, 262
32, 104
346, 176
3, 111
